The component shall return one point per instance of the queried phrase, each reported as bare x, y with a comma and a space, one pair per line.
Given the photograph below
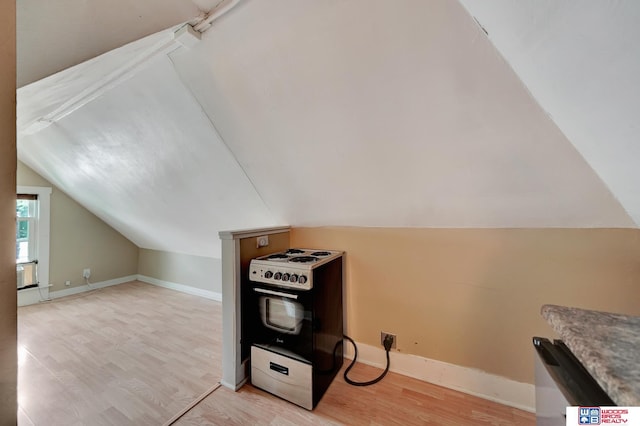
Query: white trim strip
181, 288
94, 286
232, 386
31, 296
467, 380
275, 293
246, 233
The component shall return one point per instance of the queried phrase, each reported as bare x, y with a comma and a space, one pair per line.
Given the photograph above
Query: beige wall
8, 361
79, 240
194, 271
249, 249
472, 297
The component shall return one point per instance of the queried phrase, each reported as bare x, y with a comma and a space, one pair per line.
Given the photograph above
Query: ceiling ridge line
98, 88
200, 24
215, 129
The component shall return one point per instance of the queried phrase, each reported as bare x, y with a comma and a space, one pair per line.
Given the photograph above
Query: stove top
299, 256
291, 268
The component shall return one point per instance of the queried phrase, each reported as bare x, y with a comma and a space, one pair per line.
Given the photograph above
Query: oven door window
281, 314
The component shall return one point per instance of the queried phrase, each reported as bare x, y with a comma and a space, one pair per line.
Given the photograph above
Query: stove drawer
284, 377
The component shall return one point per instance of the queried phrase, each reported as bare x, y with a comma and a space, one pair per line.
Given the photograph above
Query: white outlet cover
262, 241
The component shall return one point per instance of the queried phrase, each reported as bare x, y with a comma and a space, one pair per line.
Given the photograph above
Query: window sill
28, 287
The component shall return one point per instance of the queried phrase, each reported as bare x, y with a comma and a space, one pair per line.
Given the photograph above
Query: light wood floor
131, 354
396, 400
136, 354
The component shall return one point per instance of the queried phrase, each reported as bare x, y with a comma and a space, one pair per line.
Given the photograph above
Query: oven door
284, 320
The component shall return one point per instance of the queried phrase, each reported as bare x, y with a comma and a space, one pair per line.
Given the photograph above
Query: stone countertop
607, 344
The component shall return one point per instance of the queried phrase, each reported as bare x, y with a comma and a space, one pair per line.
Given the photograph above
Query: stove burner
294, 251
277, 256
320, 253
303, 259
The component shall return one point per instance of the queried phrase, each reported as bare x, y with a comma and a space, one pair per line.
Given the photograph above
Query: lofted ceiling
55, 35
344, 113
580, 61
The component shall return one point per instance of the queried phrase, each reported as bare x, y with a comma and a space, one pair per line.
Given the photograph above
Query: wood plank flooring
131, 354
136, 354
396, 400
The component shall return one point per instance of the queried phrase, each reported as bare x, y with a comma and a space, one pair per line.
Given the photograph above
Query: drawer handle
275, 293
279, 368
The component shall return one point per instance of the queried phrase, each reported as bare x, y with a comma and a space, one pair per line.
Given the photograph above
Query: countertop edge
596, 339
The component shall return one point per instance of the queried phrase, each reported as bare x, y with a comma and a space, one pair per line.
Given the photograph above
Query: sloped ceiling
160, 175
581, 61
314, 113
55, 35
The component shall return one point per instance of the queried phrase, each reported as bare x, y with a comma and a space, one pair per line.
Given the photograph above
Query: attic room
474, 161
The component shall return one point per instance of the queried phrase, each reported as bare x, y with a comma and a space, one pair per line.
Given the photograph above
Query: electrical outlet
383, 335
262, 241
67, 283
86, 273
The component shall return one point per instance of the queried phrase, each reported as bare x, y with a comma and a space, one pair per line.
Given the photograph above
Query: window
26, 240
32, 237
26, 228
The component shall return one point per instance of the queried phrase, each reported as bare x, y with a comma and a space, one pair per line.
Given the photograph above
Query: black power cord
388, 342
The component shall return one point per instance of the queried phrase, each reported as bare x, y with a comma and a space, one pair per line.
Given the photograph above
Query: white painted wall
328, 113
357, 113
581, 62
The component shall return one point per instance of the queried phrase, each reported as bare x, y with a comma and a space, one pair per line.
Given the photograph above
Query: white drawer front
282, 376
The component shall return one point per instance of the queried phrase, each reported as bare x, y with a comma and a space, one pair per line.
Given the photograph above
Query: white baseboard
232, 386
31, 296
181, 288
81, 289
467, 380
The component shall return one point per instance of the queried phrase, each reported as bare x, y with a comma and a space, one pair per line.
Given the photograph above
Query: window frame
32, 229
42, 229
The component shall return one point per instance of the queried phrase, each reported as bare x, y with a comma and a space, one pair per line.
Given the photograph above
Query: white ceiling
580, 60
55, 35
160, 175
321, 113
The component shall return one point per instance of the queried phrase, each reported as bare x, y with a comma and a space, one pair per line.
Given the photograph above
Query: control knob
277, 276
294, 278
268, 274
302, 279
285, 277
